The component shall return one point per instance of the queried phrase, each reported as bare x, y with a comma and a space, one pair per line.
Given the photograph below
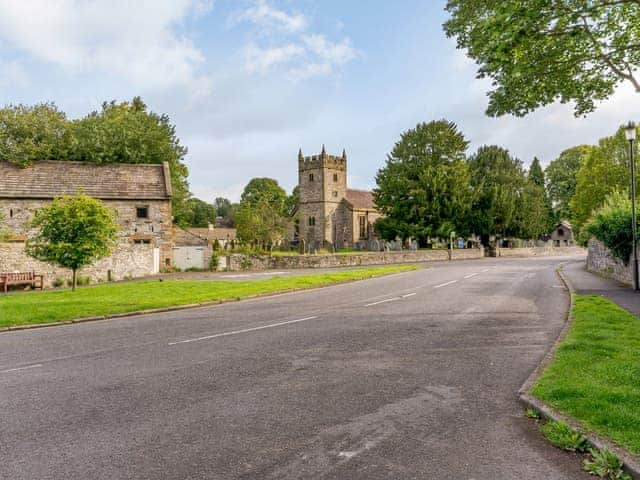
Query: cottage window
312, 221
142, 212
311, 177
335, 177
363, 227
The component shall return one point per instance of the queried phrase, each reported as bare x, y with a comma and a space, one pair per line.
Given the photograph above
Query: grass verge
594, 374
54, 306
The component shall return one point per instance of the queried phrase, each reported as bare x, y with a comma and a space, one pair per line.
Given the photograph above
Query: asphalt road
411, 376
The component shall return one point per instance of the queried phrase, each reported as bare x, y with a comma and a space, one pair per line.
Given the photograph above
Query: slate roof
49, 179
360, 199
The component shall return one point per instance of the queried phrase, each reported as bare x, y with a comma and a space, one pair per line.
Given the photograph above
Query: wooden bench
21, 278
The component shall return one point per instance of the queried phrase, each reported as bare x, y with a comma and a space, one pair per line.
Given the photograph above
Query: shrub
562, 436
611, 224
214, 262
605, 464
58, 282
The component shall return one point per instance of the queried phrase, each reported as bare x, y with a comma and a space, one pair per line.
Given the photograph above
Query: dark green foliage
262, 213
563, 436
73, 232
611, 224
424, 190
226, 211
540, 51
198, 214
293, 200
561, 177
536, 175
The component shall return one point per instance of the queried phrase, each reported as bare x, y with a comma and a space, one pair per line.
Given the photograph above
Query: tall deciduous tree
261, 215
539, 51
128, 132
424, 188
30, 133
498, 181
199, 213
561, 176
73, 232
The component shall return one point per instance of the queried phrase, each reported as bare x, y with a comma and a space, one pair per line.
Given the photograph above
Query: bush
611, 224
214, 262
58, 282
562, 436
605, 464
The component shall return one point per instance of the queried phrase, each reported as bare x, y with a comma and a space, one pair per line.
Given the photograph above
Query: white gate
188, 257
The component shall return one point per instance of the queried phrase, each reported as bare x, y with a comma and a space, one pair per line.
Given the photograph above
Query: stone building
139, 195
328, 212
562, 235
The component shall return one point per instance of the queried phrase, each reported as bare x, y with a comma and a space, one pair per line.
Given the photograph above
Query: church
329, 213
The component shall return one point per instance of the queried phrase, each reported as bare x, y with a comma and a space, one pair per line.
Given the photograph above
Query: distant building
328, 212
562, 235
138, 194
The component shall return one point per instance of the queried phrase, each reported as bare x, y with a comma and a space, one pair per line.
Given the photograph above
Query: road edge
545, 411
191, 306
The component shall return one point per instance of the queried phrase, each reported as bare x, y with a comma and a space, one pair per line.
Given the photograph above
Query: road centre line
408, 295
244, 330
471, 275
38, 365
383, 301
445, 284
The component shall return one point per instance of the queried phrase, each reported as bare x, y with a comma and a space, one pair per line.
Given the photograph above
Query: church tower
323, 184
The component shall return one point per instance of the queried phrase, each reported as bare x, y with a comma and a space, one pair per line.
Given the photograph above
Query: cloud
262, 59
271, 18
137, 41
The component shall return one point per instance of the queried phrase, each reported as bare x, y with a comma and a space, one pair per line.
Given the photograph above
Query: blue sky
248, 82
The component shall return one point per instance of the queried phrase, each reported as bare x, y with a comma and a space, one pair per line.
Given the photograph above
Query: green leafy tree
611, 224
498, 180
538, 51
128, 132
604, 169
293, 200
199, 213
533, 213
226, 211
73, 232
261, 215
561, 177
30, 133
536, 175
424, 189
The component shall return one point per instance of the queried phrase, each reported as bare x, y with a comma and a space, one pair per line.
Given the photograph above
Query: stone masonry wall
541, 252
600, 260
127, 260
265, 262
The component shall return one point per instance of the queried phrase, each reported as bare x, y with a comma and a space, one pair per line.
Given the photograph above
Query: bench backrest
18, 276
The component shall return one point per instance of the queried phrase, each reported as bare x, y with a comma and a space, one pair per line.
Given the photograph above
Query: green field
53, 306
595, 375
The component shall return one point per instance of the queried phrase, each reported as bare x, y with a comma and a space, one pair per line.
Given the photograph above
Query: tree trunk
75, 279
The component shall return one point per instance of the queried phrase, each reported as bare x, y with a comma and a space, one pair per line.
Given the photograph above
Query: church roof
49, 179
360, 199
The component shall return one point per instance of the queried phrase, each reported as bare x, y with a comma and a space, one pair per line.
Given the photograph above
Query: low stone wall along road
410, 376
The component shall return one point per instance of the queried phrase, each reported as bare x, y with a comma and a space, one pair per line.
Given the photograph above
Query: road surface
410, 376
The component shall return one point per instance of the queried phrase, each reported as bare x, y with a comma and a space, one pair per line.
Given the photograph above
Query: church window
311, 177
11, 213
312, 221
363, 226
335, 177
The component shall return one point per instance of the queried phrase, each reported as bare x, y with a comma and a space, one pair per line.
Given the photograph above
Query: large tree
538, 51
73, 232
561, 176
261, 215
424, 190
128, 132
29, 133
199, 213
533, 214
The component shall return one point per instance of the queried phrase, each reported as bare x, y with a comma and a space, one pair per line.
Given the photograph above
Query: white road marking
38, 365
382, 301
486, 270
244, 330
445, 284
408, 295
471, 275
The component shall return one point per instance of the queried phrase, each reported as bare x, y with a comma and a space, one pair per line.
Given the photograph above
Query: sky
249, 82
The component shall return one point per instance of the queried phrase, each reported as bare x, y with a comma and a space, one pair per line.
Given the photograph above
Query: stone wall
547, 251
127, 260
601, 261
238, 262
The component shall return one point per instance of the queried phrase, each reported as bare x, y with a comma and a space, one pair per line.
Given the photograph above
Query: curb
190, 306
630, 464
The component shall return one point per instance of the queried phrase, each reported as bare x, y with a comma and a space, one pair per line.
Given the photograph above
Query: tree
539, 51
29, 133
128, 132
293, 200
73, 232
199, 213
536, 175
561, 176
424, 189
226, 211
261, 215
533, 213
498, 181
604, 169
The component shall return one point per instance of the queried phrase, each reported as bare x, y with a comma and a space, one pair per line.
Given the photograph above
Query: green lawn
595, 375
52, 306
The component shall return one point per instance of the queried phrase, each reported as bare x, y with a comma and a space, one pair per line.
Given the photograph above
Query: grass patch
53, 306
595, 374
